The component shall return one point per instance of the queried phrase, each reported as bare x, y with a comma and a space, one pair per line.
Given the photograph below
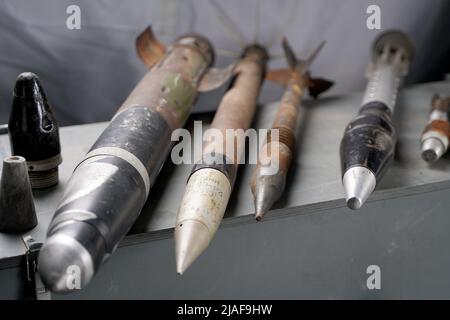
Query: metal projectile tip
191, 239
267, 189
359, 183
354, 203
17, 211
432, 149
64, 264
265, 195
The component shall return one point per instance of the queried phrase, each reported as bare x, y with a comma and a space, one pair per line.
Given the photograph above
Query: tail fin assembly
299, 67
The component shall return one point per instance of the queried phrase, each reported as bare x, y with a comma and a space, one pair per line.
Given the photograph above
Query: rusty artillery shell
268, 186
436, 135
269, 177
110, 185
211, 182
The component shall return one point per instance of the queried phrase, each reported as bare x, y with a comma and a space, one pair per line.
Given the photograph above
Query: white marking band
128, 157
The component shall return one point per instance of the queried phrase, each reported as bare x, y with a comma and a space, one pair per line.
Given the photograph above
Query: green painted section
180, 96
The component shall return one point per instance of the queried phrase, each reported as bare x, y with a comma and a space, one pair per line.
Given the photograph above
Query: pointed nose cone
191, 239
64, 264
267, 189
33, 131
263, 204
17, 211
31, 113
359, 183
264, 196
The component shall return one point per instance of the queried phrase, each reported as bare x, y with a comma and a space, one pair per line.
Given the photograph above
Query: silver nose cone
191, 239
359, 183
64, 264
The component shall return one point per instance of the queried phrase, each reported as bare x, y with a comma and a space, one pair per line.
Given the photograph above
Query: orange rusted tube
269, 178
211, 182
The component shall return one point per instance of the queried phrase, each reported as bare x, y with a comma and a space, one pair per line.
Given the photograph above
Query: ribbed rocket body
211, 182
268, 184
109, 187
275, 157
436, 135
369, 140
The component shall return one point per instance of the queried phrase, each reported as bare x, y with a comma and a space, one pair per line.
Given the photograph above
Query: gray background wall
87, 73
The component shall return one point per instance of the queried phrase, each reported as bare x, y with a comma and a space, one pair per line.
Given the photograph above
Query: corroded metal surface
110, 185
314, 185
148, 47
238, 105
211, 182
277, 151
436, 135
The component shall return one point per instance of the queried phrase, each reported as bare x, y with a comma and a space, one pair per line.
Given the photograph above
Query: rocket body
211, 182
275, 157
369, 140
267, 186
110, 185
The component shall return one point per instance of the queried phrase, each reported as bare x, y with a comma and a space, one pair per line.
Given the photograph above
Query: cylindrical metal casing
369, 140
235, 112
287, 118
436, 135
275, 157
211, 181
110, 186
383, 86
206, 198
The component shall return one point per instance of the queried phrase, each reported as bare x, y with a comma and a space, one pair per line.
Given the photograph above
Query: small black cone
17, 212
33, 131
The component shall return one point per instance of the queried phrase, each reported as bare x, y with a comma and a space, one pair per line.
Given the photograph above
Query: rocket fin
148, 47
215, 77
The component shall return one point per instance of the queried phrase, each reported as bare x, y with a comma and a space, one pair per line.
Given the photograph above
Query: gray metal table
309, 246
